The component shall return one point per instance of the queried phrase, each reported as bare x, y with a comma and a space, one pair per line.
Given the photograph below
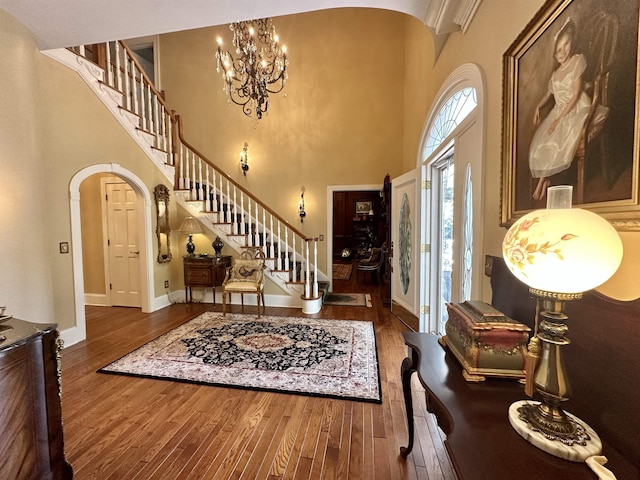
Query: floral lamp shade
563, 250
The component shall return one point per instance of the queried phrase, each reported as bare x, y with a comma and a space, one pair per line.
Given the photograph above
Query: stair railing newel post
315, 267
307, 285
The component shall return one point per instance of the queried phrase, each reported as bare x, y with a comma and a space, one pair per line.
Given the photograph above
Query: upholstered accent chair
373, 263
245, 275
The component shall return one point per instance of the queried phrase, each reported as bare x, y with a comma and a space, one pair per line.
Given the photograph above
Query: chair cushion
246, 271
373, 259
240, 286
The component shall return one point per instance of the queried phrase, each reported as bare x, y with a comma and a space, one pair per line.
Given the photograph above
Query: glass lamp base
576, 452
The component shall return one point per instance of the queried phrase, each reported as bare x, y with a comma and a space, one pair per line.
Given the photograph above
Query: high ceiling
65, 23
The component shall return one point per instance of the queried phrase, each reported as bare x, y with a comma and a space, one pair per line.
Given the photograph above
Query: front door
122, 244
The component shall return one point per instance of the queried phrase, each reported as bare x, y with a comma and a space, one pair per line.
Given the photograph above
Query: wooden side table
204, 271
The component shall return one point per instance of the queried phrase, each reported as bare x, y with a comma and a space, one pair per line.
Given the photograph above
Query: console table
31, 443
204, 271
480, 441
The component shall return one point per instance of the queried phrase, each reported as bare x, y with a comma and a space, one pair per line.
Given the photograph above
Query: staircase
221, 205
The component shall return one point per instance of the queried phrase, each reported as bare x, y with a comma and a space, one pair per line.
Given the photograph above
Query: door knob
136, 253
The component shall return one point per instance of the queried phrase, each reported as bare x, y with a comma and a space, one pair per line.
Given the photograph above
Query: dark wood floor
119, 427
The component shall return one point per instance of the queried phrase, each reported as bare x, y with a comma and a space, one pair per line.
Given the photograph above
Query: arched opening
144, 232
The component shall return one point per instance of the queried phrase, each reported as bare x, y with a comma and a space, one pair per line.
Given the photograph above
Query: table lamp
559, 252
190, 226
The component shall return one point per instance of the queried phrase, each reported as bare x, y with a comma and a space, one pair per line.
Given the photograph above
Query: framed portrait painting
570, 110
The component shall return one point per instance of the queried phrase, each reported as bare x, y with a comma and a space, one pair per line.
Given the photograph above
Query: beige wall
26, 245
338, 120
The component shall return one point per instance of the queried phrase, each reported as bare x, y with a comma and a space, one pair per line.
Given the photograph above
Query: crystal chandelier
259, 68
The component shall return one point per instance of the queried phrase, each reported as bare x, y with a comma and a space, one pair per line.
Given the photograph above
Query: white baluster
162, 127
244, 225
272, 236
109, 66
149, 100
279, 262
136, 107
256, 241
315, 268
194, 193
236, 229
249, 232
127, 82
155, 119
287, 264
294, 259
82, 51
214, 203
228, 220
170, 159
200, 184
118, 72
221, 203
207, 200
181, 168
264, 231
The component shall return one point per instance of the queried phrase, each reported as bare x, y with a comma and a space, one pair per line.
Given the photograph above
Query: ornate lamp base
575, 447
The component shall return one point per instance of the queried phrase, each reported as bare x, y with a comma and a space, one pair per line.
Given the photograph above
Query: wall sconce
301, 210
244, 159
559, 253
190, 226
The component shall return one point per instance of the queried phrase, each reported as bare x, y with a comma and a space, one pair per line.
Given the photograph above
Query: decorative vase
217, 246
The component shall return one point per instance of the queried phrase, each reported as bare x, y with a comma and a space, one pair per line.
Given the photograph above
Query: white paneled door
122, 244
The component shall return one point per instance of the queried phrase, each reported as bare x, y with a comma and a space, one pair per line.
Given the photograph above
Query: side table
206, 271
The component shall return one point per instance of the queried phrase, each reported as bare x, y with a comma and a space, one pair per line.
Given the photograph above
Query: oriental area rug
308, 356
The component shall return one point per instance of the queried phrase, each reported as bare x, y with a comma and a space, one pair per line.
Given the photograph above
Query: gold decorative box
485, 341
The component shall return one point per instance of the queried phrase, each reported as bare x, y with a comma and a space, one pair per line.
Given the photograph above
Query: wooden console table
204, 271
480, 440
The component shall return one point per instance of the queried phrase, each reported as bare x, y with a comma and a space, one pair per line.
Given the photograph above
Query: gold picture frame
597, 43
363, 207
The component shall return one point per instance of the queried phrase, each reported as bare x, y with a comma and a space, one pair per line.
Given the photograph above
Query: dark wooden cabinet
31, 440
204, 271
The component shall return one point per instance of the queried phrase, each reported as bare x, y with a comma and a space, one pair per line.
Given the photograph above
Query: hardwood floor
119, 427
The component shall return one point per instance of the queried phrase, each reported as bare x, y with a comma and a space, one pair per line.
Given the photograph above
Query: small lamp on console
559, 252
190, 226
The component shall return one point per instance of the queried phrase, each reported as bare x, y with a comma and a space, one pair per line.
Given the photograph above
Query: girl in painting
555, 141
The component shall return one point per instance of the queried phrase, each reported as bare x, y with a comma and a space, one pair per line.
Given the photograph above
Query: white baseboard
95, 299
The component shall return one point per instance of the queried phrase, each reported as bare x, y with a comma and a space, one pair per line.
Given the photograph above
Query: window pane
454, 111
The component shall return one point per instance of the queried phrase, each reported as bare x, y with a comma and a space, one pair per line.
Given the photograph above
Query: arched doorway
145, 239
